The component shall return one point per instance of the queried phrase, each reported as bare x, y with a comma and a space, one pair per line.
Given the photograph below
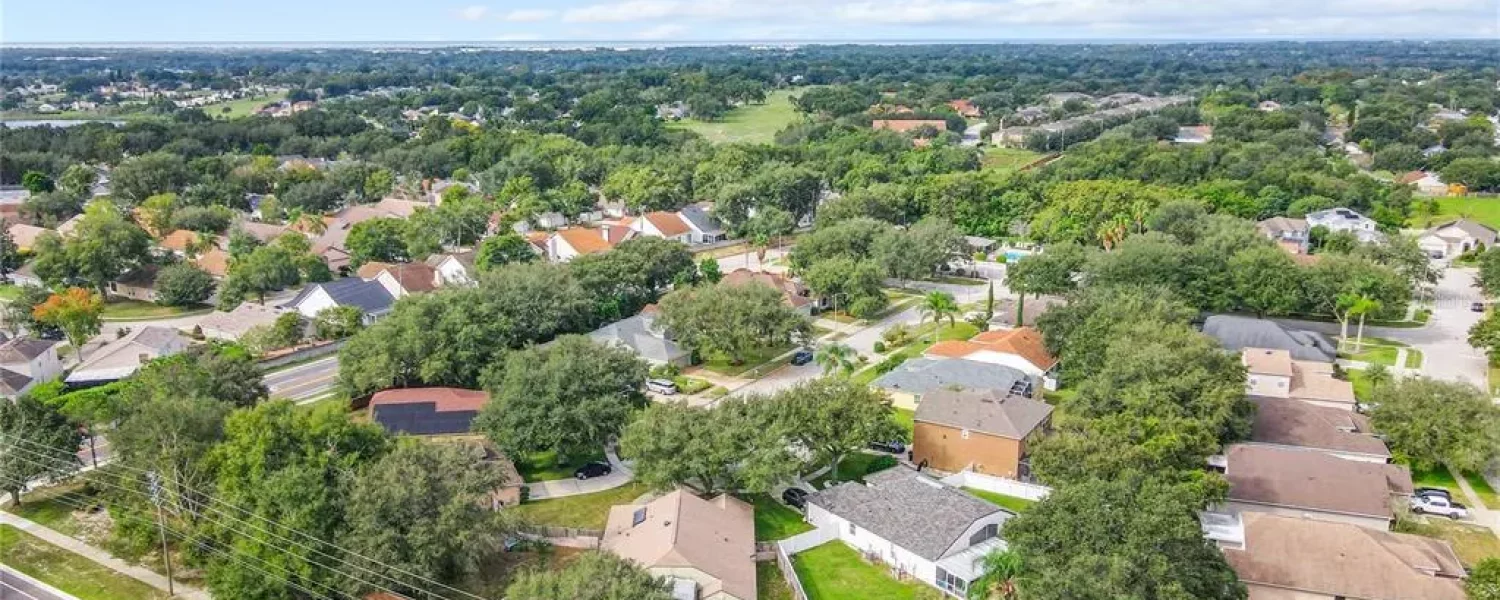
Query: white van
664, 387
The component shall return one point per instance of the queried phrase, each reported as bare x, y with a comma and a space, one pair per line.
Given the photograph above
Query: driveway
557, 488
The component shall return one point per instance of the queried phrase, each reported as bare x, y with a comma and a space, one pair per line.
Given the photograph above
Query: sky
97, 21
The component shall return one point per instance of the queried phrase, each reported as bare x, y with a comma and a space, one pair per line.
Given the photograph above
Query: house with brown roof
25, 236
1275, 374
446, 415
1289, 234
985, 431
1022, 348
908, 125
566, 244
401, 279
214, 262
663, 225
1287, 558
262, 232
793, 293
965, 108
1310, 484
231, 325
710, 543
1288, 423
179, 241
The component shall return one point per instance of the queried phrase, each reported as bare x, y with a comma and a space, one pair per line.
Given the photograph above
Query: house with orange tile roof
1022, 349
215, 262
663, 225
25, 236
179, 241
564, 245
965, 108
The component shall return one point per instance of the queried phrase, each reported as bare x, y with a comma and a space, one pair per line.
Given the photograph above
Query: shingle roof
120, 358
1263, 361
1345, 560
699, 217
23, 350
792, 293
985, 411
25, 236
11, 382
636, 333
1237, 333
1313, 480
680, 530
1289, 422
1478, 231
369, 296
924, 375
909, 509
427, 411
1280, 225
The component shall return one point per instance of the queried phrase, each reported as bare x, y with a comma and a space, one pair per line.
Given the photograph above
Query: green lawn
1010, 503
834, 571
1007, 159
135, 310
1439, 477
855, 467
769, 584
53, 506
690, 385
1414, 358
1363, 389
749, 124
1482, 488
66, 571
543, 466
774, 520
239, 108
1483, 210
755, 358
1472, 544
587, 511
1375, 355
9, 292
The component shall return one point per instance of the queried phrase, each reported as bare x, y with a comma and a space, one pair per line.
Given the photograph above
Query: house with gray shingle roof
370, 297
1237, 333
640, 334
916, 524
700, 219
25, 362
914, 378
1450, 239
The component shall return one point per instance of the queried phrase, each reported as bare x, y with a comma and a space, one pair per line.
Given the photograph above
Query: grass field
774, 520
1007, 159
135, 310
906, 419
755, 358
9, 292
1472, 544
586, 511
769, 584
749, 124
1483, 210
543, 466
1010, 503
834, 571
239, 108
53, 506
66, 571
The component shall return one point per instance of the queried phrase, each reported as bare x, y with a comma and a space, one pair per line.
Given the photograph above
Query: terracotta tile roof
1344, 560
905, 125
1313, 481
370, 269
680, 530
954, 348
178, 241
793, 293
1024, 342
215, 262
669, 224
585, 241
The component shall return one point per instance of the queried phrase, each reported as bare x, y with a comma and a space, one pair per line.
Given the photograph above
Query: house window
950, 583
989, 531
639, 517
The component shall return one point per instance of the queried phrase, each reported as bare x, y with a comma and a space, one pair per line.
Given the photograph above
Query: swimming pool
1012, 254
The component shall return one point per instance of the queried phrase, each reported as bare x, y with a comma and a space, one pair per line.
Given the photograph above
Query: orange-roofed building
793, 294
663, 225
566, 244
215, 262
965, 108
905, 125
179, 241
1023, 349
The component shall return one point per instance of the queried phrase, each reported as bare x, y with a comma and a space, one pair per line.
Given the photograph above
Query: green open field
1007, 159
66, 571
586, 511
1483, 210
239, 108
749, 124
543, 466
122, 309
834, 571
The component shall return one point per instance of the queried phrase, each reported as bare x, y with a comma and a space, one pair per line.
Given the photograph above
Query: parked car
1433, 491
802, 357
665, 387
1436, 504
893, 447
1477, 307
593, 469
795, 497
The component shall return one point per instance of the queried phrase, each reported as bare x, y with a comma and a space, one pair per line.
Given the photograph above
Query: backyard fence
589, 537
784, 561
998, 485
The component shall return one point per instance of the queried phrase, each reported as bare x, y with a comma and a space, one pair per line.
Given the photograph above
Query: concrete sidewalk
1478, 513
97, 555
558, 488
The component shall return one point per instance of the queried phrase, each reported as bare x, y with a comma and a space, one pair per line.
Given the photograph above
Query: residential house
179, 241
445, 415
1288, 233
119, 358
137, 284
565, 244
550, 220
401, 279
1273, 373
1453, 238
1285, 558
921, 527
1056, 99
1311, 484
330, 243
1343, 219
1022, 349
1288, 423
965, 109
25, 236
700, 219
910, 382
641, 335
1236, 333
12, 199
663, 225
1268, 106
215, 261
262, 232
230, 326
908, 125
370, 297
985, 431
24, 362
793, 294
1427, 183
454, 268
69, 226
703, 546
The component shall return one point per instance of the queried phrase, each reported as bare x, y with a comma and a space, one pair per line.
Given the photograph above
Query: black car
893, 447
802, 357
593, 469
1432, 491
1477, 307
795, 497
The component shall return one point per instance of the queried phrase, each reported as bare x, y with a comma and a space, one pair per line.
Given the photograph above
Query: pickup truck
1436, 504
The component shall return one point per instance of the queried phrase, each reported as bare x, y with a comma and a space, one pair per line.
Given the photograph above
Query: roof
265, 232
792, 293
12, 383
1291, 422
1262, 361
680, 530
23, 350
179, 240
121, 357
1410, 177
637, 334
142, 276
215, 262
1236, 333
1473, 229
370, 269
427, 411
905, 125
233, 324
1345, 560
700, 217
1024, 342
1281, 225
386, 207
908, 509
369, 296
1313, 380
590, 241
985, 411
1313, 480
669, 224
413, 277
463, 257
924, 375
24, 235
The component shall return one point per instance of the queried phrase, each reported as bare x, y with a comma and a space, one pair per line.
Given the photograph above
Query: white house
1343, 219
564, 245
120, 358
663, 225
456, 268
1273, 373
1447, 240
1427, 183
370, 297
920, 526
700, 219
24, 362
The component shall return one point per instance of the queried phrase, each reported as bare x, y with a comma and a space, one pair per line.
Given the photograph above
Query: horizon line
743, 41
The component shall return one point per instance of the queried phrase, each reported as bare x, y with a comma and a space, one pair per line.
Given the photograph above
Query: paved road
306, 381
16, 586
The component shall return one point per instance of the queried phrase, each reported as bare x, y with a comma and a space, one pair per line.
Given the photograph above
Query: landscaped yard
1482, 488
1363, 389
66, 571
769, 584
755, 358
1471, 543
834, 571
1379, 351
1010, 503
1008, 159
751, 123
586, 511
906, 419
1483, 210
239, 108
135, 310
774, 520
543, 466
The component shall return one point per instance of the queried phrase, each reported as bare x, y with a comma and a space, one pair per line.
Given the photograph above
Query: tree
1126, 536
36, 442
1489, 271
1079, 333
1484, 580
137, 178
20, 315
504, 249
382, 240
731, 446
1486, 334
266, 269
1001, 569
338, 322
769, 224
709, 270
76, 312
1264, 280
10, 255
78, 180
595, 575
730, 320
222, 372
157, 212
938, 306
1050, 273
424, 510
37, 182
104, 247
569, 397
1434, 422
833, 417
836, 358
183, 284
1363, 307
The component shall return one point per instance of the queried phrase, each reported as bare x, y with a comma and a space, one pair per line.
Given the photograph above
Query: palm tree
836, 357
1362, 307
938, 306
1378, 375
1000, 568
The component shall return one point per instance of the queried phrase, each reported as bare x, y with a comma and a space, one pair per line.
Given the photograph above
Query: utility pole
161, 527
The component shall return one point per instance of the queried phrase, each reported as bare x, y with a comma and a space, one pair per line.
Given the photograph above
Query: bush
890, 364
183, 285
665, 371
879, 347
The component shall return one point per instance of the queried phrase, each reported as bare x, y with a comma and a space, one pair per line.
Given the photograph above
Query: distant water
21, 123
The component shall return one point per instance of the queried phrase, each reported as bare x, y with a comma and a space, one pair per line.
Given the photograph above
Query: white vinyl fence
998, 485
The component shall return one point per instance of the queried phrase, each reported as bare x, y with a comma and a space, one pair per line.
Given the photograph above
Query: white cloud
527, 15
665, 31
473, 12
